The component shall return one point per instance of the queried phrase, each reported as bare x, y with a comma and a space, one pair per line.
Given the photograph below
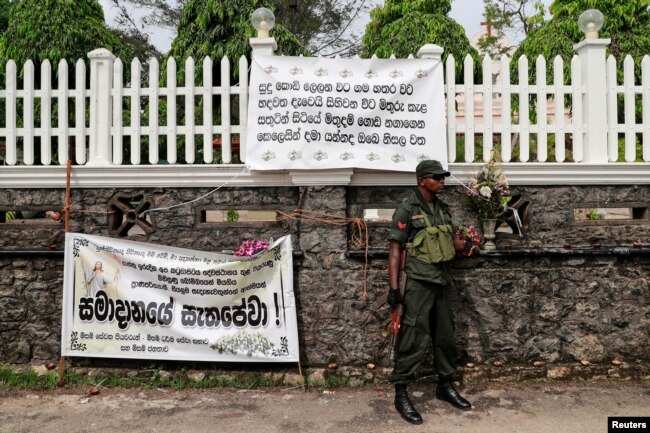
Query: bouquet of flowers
488, 192
251, 247
472, 239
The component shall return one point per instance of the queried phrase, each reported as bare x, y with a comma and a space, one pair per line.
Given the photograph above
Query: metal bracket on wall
126, 210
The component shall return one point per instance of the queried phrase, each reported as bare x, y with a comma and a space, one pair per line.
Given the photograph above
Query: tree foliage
36, 32
128, 31
218, 29
323, 26
5, 8
402, 27
509, 16
320, 25
627, 23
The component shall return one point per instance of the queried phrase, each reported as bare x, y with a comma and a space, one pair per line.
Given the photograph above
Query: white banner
316, 113
125, 299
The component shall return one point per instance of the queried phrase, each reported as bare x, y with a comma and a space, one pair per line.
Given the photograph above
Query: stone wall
536, 301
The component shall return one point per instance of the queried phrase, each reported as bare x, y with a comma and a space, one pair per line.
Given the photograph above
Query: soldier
427, 294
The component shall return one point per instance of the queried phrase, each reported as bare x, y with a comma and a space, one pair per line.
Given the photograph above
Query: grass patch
13, 379
27, 379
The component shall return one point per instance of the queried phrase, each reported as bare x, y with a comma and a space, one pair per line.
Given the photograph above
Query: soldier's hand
394, 297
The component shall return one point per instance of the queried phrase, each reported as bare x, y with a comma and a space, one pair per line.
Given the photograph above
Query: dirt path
556, 407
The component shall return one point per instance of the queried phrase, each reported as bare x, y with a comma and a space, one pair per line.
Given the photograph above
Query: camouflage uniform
427, 297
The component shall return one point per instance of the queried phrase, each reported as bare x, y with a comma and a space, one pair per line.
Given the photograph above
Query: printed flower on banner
284, 348
251, 247
271, 69
421, 74
320, 155
395, 74
346, 73
295, 71
268, 155
347, 155
472, 239
371, 74
294, 154
321, 72
397, 158
423, 157
373, 157
243, 343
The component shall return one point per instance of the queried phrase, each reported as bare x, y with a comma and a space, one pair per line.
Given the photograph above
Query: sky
468, 13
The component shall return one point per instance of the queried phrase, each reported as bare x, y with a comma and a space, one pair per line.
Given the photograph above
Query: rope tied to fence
358, 238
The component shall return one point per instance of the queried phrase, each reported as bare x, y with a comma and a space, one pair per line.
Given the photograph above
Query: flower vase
489, 228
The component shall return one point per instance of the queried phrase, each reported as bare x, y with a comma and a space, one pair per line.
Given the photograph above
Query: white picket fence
105, 122
564, 99
583, 112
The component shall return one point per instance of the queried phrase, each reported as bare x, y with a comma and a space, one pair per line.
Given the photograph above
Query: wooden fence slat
190, 124
629, 97
645, 101
154, 72
117, 132
451, 107
28, 113
136, 127
172, 128
80, 111
10, 102
612, 109
558, 121
226, 149
468, 66
64, 116
542, 110
46, 113
207, 111
488, 95
524, 110
243, 106
506, 110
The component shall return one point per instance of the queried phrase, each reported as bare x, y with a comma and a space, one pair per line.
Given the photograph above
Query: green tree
218, 29
627, 23
401, 27
5, 8
56, 30
320, 25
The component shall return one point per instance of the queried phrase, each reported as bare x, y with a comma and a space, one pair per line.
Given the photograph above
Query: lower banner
125, 299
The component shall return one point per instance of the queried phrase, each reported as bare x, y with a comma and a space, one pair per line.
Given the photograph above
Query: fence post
263, 46
591, 53
101, 110
431, 51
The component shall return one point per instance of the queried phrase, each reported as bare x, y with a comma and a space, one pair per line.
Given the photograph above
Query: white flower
485, 191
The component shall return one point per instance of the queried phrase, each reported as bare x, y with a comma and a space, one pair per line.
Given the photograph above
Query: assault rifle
397, 312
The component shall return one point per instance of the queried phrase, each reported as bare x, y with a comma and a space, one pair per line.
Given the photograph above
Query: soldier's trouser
427, 317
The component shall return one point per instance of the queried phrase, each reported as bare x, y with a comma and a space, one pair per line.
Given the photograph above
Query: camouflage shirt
407, 221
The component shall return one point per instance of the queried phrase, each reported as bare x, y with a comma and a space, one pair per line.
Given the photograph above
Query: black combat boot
404, 406
446, 392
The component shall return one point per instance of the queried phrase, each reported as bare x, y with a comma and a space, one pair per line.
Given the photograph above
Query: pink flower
472, 239
251, 247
